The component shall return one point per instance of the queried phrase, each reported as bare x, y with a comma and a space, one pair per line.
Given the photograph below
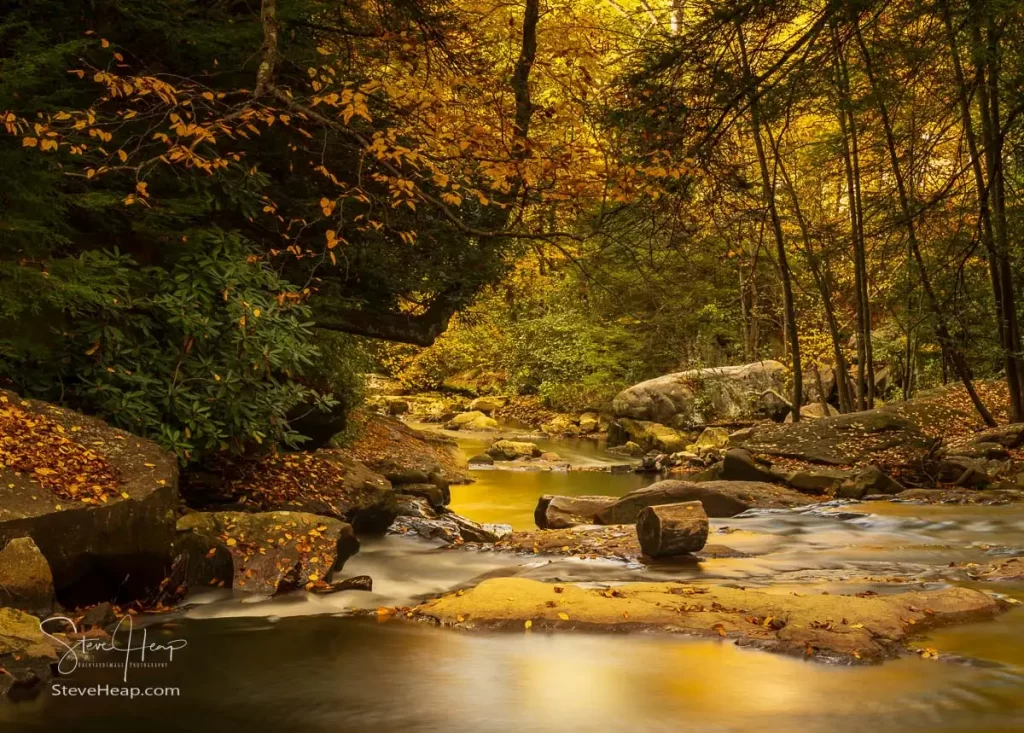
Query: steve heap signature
74, 651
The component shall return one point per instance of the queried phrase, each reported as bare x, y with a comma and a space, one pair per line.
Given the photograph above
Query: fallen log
672, 529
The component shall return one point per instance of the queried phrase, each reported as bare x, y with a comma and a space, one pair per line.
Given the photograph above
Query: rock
397, 407
121, 546
560, 425
487, 405
813, 411
712, 439
437, 496
379, 384
101, 616
590, 422
651, 435
414, 506
739, 465
870, 480
328, 482
26, 653
816, 480
560, 512
358, 582
1008, 436
672, 529
973, 473
473, 420
26, 581
617, 542
481, 459
265, 553
700, 396
878, 627
551, 457
720, 498
510, 450
842, 439
1006, 569
995, 496
772, 405
983, 450
450, 528
628, 449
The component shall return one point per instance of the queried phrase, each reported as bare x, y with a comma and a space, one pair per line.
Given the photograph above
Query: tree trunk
780, 242
956, 357
672, 529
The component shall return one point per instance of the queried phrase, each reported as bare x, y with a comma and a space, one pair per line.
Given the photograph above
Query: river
301, 663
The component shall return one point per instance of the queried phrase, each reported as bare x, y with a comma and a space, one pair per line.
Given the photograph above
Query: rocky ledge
848, 629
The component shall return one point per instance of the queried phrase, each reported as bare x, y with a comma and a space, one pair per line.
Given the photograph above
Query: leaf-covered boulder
264, 553
99, 503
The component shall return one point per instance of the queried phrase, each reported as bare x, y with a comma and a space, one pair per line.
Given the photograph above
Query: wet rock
590, 422
995, 496
265, 553
101, 616
650, 435
560, 512
1004, 569
414, 506
672, 529
1007, 436
720, 498
870, 480
472, 421
510, 450
481, 459
487, 405
25, 654
816, 480
739, 465
560, 425
358, 582
551, 457
842, 439
437, 496
26, 581
819, 627
450, 528
397, 407
606, 542
712, 439
630, 449
972, 473
120, 548
699, 396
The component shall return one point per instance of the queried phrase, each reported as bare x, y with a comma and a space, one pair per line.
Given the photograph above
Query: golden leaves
29, 142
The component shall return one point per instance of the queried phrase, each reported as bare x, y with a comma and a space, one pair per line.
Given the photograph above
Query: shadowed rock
720, 498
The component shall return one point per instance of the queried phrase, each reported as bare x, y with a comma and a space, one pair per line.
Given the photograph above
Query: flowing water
299, 663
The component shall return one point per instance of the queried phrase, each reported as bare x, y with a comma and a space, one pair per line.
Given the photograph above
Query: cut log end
672, 529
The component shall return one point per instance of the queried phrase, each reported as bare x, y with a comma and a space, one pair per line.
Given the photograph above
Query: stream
298, 663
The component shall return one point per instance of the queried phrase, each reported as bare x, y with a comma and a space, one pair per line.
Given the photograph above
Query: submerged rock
824, 627
720, 498
265, 553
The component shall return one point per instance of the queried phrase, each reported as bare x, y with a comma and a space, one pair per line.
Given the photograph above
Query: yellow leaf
124, 495
564, 616
104, 43
122, 155
528, 624
90, 173
29, 142
232, 542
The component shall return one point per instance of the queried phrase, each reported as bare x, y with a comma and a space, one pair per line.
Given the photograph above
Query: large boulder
700, 396
561, 512
720, 498
842, 439
26, 581
98, 502
264, 553
510, 450
739, 465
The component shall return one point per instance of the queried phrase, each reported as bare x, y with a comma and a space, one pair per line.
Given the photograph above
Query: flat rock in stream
821, 627
960, 496
561, 512
720, 498
595, 542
